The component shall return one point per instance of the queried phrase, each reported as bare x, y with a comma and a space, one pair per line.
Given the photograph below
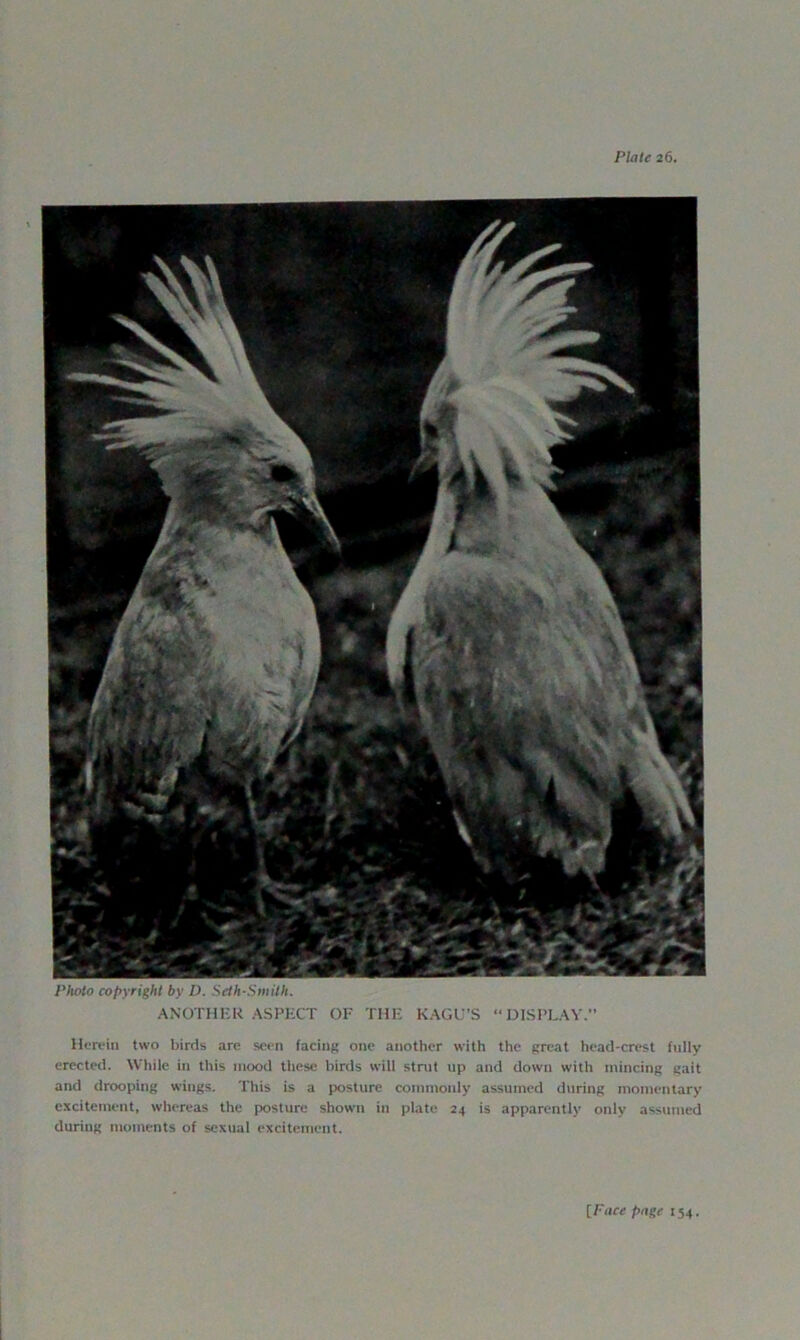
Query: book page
450, 994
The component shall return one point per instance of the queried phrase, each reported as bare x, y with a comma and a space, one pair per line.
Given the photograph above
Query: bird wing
149, 717
524, 689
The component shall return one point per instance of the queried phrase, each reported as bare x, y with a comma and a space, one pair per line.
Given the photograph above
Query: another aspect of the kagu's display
182, 647
215, 659
507, 637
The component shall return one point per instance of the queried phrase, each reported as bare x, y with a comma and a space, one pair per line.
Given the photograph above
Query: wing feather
149, 719
527, 719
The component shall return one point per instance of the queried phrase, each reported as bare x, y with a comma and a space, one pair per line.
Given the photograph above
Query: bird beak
310, 511
425, 461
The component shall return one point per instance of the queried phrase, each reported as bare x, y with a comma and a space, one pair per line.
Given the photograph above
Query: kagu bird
507, 636
215, 660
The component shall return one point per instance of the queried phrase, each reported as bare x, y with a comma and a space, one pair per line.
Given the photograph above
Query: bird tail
657, 789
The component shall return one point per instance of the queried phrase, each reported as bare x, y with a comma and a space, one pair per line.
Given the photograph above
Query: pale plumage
215, 659
507, 637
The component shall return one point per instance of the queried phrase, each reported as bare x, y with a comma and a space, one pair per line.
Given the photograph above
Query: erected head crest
190, 404
506, 369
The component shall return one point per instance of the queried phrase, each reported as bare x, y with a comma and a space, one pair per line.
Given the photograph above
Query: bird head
217, 445
490, 407
437, 421
268, 475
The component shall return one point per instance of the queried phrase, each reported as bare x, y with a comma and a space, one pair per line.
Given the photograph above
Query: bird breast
263, 649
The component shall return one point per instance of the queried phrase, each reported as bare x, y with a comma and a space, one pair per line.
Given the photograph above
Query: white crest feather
191, 405
510, 370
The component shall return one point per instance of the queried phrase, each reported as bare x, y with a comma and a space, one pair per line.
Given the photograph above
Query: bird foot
278, 892
596, 886
188, 901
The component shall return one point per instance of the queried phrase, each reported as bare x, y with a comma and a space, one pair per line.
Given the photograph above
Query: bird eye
282, 474
432, 431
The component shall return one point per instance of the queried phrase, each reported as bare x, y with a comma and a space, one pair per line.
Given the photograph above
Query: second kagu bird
507, 638
215, 659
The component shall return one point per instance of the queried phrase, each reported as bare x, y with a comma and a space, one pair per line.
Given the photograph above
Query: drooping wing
525, 683
149, 718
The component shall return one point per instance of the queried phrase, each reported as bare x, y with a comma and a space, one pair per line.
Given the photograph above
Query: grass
356, 815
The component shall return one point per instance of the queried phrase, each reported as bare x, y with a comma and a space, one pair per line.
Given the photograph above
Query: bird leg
252, 819
264, 884
596, 886
189, 894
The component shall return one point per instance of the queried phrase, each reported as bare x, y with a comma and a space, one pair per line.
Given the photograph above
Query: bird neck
195, 516
531, 523
410, 606
208, 487
443, 524
439, 541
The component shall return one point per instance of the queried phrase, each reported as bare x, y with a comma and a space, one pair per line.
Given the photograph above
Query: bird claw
278, 892
596, 887
189, 899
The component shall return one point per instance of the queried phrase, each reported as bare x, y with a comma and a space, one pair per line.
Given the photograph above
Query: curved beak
426, 460
309, 511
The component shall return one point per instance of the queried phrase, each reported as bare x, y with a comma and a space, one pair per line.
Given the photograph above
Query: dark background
342, 310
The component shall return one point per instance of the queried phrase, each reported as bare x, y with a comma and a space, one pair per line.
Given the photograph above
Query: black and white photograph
399, 837
374, 588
